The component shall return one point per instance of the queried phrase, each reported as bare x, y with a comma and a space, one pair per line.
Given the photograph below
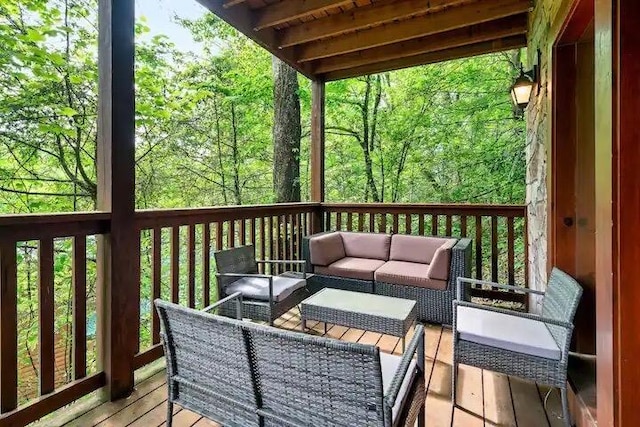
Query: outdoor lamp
522, 88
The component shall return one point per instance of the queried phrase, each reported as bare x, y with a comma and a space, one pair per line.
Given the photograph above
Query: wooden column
317, 150
118, 252
617, 211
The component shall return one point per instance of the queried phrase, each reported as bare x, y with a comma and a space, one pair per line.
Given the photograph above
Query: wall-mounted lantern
523, 86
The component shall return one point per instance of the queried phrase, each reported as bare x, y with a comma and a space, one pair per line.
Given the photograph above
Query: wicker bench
244, 374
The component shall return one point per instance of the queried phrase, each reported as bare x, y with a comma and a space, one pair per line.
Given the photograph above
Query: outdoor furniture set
376, 282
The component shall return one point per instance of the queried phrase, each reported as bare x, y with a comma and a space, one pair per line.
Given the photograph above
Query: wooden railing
176, 263
190, 236
38, 242
499, 234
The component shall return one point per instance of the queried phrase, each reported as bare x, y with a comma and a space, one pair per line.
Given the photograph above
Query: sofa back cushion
441, 262
366, 245
418, 249
326, 248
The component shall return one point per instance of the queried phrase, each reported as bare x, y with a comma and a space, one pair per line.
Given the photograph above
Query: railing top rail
52, 218
23, 227
428, 208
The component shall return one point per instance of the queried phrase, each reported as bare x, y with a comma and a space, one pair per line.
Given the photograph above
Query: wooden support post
118, 252
617, 60
317, 151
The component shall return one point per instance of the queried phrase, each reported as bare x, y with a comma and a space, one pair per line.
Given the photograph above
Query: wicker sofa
420, 268
245, 374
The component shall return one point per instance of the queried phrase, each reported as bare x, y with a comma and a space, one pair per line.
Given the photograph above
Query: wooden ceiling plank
355, 19
230, 3
486, 31
288, 10
513, 42
240, 17
448, 19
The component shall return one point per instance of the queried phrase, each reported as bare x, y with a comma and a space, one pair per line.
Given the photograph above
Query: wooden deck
484, 398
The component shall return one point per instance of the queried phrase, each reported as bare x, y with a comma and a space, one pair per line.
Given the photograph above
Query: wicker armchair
245, 374
526, 345
265, 297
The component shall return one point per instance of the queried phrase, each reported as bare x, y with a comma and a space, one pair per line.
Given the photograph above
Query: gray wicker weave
434, 305
376, 313
235, 263
559, 305
282, 378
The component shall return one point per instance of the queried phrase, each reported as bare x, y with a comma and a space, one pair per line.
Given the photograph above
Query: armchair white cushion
512, 333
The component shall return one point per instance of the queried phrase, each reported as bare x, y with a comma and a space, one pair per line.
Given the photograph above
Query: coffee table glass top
358, 302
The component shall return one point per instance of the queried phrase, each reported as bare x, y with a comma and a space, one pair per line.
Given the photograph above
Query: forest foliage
437, 133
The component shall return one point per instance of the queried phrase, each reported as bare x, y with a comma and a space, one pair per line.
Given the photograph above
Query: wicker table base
376, 313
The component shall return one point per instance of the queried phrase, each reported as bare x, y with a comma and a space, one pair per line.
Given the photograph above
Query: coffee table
376, 313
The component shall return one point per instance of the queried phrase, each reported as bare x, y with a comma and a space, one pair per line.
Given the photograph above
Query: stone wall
539, 140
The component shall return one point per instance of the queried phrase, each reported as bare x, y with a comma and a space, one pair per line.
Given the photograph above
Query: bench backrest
237, 372
208, 365
307, 380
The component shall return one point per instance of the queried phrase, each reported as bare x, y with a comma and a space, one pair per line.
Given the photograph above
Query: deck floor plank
484, 398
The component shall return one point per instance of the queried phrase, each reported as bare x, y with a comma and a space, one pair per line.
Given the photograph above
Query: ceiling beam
513, 42
230, 3
448, 19
241, 18
486, 31
360, 17
288, 10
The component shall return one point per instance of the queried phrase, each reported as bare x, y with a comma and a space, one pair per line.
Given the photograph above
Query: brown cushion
366, 245
414, 248
408, 273
326, 248
352, 268
439, 267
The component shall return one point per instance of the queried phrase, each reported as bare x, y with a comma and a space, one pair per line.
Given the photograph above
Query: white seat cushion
389, 364
511, 333
258, 287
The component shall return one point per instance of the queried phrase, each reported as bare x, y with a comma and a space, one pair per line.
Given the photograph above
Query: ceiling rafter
448, 19
513, 42
492, 30
285, 11
361, 17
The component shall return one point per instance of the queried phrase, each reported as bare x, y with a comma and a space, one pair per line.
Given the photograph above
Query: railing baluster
191, 289
434, 224
80, 307
510, 252
262, 243
242, 232
349, 221
297, 236
372, 222
219, 236
175, 264
252, 231
206, 264
327, 221
463, 226
421, 224
156, 280
231, 234
361, 221
383, 223
8, 327
478, 247
46, 343
407, 223
339, 221
395, 224
448, 226
494, 248
272, 244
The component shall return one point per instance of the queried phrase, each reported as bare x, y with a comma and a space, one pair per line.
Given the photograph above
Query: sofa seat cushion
409, 274
518, 334
366, 245
389, 364
326, 248
418, 249
352, 268
258, 287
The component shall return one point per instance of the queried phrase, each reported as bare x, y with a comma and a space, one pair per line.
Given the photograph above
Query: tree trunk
286, 133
